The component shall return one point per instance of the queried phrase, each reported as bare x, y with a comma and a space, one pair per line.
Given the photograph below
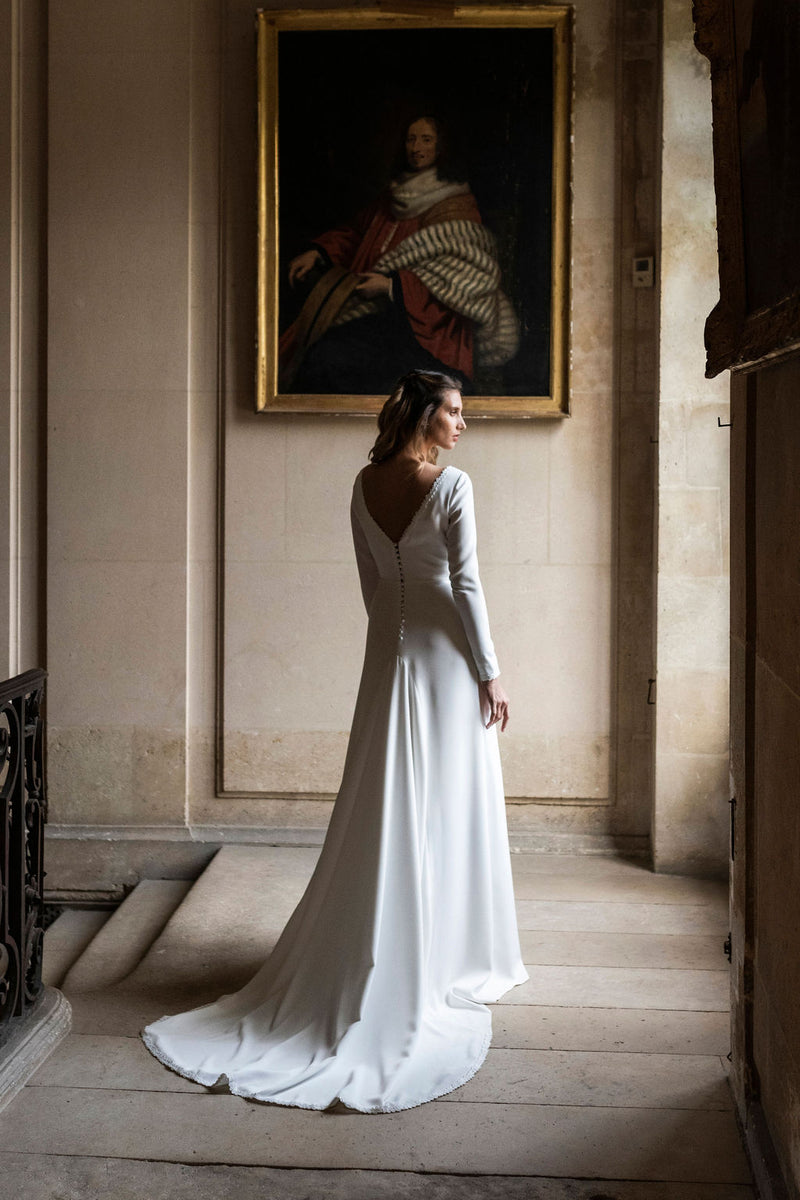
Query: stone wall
690, 816
204, 629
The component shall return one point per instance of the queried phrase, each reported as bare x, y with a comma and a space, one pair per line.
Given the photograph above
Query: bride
375, 994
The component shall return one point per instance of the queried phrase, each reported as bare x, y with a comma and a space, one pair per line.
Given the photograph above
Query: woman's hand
494, 698
374, 284
300, 266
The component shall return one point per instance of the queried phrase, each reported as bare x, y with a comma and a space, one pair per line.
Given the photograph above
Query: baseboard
610, 844
88, 864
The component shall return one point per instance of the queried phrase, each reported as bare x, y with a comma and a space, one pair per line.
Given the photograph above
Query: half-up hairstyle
406, 414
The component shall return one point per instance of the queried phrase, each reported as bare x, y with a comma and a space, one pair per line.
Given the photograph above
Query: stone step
66, 940
228, 923
127, 935
225, 928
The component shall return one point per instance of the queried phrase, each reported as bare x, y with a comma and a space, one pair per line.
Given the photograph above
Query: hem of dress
523, 978
205, 1080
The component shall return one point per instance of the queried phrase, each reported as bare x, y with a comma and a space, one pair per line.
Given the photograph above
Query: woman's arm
468, 595
367, 567
494, 701
465, 580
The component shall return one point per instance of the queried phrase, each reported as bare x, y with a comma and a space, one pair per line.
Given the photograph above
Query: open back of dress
376, 991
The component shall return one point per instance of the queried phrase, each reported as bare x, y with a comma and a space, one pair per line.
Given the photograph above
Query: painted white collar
414, 192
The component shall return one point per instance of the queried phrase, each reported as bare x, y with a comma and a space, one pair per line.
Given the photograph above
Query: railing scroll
23, 812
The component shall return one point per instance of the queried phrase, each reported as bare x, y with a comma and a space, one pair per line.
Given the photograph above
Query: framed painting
754, 47
413, 206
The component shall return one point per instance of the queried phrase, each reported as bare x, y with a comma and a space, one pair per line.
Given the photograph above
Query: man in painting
414, 280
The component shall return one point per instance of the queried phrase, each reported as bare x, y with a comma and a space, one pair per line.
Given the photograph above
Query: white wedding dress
376, 991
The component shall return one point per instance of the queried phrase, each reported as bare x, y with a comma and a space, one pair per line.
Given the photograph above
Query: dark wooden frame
736, 338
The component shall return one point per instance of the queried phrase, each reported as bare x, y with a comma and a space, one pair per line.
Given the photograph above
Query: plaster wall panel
116, 776
108, 440
143, 28
116, 750
118, 354
318, 500
116, 662
255, 501
292, 612
295, 762
118, 306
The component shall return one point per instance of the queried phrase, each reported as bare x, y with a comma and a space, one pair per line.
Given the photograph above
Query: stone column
690, 814
23, 281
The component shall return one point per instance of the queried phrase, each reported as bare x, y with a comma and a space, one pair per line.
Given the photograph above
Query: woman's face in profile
447, 423
421, 148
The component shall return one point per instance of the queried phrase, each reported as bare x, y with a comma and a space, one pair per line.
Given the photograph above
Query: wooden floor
607, 1077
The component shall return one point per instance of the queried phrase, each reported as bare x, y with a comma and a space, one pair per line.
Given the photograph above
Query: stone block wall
690, 813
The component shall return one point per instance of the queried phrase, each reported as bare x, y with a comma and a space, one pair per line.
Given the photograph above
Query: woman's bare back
394, 490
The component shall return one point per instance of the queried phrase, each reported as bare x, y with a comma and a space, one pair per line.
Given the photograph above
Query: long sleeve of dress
465, 580
367, 567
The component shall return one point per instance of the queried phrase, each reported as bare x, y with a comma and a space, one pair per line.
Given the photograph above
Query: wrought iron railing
23, 811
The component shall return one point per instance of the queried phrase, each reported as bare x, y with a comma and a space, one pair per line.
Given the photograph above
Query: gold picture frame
306, 65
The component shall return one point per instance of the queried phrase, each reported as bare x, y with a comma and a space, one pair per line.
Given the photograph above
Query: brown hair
405, 416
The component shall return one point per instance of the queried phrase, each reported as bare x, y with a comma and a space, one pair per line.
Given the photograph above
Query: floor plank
40, 1176
518, 1076
478, 1138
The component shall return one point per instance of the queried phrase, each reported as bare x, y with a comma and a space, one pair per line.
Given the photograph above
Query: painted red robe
443, 333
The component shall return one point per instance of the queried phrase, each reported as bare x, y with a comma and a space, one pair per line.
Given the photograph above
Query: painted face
447, 423
421, 146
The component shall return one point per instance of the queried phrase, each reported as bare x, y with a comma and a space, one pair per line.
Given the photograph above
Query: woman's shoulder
358, 489
457, 483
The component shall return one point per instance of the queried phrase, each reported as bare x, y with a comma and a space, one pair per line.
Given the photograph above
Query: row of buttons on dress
402, 629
